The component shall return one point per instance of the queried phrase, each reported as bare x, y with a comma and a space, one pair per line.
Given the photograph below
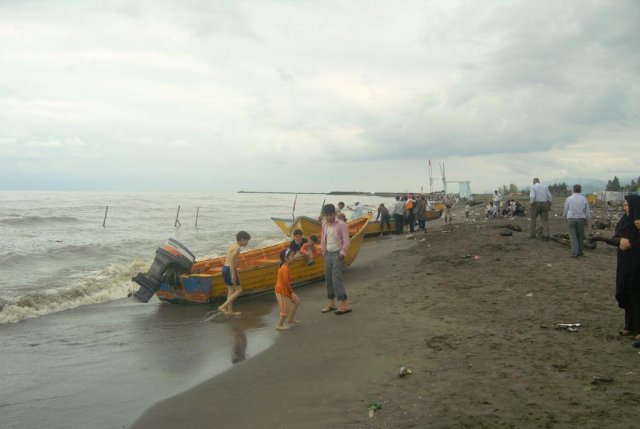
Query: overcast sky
315, 95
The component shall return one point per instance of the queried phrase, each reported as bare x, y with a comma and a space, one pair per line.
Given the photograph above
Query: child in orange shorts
287, 299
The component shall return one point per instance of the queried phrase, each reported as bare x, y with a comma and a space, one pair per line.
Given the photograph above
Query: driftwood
564, 240
512, 227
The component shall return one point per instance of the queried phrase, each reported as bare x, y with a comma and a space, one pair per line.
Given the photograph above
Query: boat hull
374, 226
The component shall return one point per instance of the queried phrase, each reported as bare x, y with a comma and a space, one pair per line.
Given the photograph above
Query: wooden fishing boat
374, 226
257, 269
435, 214
307, 225
310, 226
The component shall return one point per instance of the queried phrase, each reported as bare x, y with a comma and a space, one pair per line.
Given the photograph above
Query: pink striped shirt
340, 232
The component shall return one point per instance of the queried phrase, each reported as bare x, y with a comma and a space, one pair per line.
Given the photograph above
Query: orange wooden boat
257, 270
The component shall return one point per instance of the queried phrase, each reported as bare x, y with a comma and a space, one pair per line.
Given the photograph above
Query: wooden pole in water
197, 213
293, 210
105, 216
177, 222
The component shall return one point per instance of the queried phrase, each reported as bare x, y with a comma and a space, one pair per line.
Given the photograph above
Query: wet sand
101, 366
474, 315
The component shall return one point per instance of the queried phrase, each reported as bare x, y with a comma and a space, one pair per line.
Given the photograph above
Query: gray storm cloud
270, 83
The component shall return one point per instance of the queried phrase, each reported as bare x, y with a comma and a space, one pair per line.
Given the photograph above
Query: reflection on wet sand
253, 316
178, 339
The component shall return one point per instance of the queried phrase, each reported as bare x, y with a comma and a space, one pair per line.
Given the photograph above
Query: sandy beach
473, 314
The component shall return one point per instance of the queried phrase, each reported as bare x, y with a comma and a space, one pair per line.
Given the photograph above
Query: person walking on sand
288, 301
576, 211
497, 198
448, 202
334, 244
230, 273
540, 199
422, 213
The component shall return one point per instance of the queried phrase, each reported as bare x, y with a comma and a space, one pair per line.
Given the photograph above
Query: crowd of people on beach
333, 244
408, 211
626, 239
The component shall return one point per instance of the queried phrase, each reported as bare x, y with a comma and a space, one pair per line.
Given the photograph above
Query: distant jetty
377, 194
282, 192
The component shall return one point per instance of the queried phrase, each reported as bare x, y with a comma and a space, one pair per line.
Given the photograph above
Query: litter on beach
596, 380
404, 371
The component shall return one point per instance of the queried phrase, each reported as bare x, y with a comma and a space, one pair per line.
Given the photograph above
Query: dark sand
480, 335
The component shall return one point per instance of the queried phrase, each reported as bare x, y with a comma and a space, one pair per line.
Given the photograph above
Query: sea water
76, 351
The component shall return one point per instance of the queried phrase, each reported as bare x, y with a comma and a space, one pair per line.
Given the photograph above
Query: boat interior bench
265, 260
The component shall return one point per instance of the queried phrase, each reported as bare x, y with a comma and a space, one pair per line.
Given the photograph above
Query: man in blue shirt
577, 213
540, 199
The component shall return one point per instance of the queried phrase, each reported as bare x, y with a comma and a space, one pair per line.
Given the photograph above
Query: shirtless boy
230, 273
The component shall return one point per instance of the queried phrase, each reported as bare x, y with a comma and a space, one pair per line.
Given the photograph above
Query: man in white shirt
357, 210
497, 198
398, 215
577, 213
540, 199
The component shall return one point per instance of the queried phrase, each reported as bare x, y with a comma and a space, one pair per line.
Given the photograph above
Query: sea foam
107, 284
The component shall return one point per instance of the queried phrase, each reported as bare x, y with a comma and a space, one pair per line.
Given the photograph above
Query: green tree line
614, 185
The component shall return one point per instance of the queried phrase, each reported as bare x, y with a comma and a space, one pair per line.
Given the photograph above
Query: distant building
613, 196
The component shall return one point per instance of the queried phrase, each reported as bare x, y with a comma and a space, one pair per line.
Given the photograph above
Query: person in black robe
627, 239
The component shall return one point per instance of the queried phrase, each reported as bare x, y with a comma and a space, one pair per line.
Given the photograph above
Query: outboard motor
172, 258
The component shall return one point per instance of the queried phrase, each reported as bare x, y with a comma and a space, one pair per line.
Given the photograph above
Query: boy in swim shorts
230, 273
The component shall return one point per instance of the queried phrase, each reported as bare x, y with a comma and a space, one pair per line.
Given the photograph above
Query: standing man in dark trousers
577, 213
410, 206
398, 215
540, 199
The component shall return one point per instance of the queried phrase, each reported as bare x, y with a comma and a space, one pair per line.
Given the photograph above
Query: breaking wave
107, 284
